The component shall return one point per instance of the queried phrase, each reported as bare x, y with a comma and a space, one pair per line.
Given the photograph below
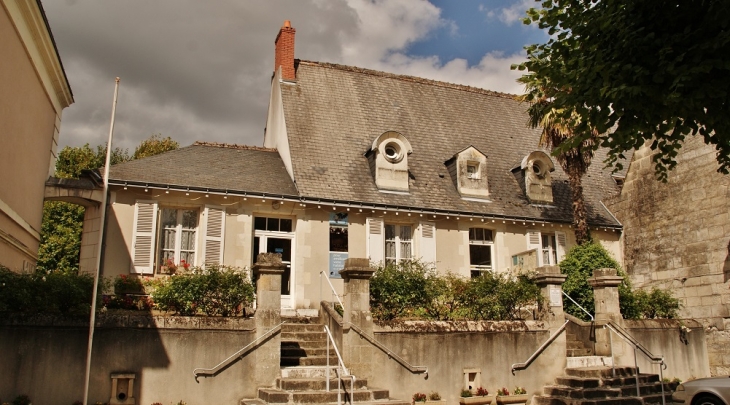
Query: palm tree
558, 127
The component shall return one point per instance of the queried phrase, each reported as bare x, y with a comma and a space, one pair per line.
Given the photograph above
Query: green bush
213, 290
56, 292
579, 264
413, 290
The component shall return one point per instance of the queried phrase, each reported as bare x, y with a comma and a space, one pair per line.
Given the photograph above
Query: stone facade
676, 237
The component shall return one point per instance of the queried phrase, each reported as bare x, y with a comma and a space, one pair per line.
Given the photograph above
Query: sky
195, 70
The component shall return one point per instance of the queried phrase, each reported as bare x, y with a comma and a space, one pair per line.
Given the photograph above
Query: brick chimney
284, 54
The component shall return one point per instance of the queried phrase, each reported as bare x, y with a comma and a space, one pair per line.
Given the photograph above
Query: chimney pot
287, 24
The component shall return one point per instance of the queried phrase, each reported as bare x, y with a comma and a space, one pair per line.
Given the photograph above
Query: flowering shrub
434, 396
171, 268
125, 284
519, 391
503, 391
419, 397
213, 290
481, 392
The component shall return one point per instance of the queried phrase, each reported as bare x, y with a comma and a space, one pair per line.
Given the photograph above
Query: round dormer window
392, 152
538, 169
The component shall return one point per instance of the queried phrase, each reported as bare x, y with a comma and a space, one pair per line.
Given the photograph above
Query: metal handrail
404, 363
538, 352
578, 305
332, 288
341, 366
623, 334
212, 372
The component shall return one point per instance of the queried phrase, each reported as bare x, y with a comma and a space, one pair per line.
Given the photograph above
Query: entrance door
267, 243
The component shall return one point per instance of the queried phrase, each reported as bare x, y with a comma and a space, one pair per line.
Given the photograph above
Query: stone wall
676, 237
46, 359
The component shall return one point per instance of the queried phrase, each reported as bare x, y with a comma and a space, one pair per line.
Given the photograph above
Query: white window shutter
143, 237
215, 224
376, 240
534, 242
562, 242
427, 242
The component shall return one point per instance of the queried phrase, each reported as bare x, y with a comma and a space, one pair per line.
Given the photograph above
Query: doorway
275, 235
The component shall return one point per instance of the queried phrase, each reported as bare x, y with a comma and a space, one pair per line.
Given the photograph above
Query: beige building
33, 92
356, 163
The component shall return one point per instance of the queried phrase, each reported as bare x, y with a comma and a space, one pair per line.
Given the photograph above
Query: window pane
405, 250
168, 217
285, 225
480, 255
189, 257
187, 241
189, 219
488, 235
405, 232
338, 239
390, 232
259, 223
390, 249
472, 233
272, 224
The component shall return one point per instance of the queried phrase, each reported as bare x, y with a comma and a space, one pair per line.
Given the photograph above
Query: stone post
267, 272
357, 352
550, 281
605, 284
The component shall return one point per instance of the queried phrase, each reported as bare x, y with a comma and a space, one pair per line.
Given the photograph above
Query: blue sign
337, 263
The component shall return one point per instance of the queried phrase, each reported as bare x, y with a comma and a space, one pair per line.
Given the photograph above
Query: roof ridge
408, 78
233, 146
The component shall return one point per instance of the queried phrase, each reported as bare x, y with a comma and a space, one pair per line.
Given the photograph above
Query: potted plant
481, 397
518, 396
435, 398
419, 397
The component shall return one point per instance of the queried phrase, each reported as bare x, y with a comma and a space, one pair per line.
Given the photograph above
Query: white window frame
177, 248
399, 242
482, 242
556, 251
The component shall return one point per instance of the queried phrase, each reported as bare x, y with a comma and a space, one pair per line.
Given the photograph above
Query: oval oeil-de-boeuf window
392, 152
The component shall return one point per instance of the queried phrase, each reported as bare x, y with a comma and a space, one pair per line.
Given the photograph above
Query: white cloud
509, 15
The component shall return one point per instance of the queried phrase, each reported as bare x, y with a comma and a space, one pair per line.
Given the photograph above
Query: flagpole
92, 317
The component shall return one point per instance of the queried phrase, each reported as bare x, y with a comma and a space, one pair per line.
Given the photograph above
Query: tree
154, 145
642, 70
557, 129
63, 222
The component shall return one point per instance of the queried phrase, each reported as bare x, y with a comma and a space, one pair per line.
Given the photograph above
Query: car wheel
707, 400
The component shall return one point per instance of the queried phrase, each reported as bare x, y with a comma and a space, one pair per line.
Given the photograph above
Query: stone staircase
304, 372
598, 386
575, 347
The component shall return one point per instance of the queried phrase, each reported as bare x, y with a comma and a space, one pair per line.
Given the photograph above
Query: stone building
677, 237
356, 163
33, 93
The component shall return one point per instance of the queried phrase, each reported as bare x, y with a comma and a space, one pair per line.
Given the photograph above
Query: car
703, 391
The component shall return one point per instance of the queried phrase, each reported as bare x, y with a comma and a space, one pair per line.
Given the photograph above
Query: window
472, 170
549, 250
272, 224
481, 244
398, 243
178, 231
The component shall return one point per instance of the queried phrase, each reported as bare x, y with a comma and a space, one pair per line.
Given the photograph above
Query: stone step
291, 351
578, 382
579, 352
600, 372
301, 327
570, 344
274, 396
581, 393
547, 400
312, 384
305, 344
307, 371
631, 380
303, 336
583, 362
308, 361
644, 389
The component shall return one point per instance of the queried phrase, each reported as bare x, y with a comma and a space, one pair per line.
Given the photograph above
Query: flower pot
439, 402
477, 400
512, 399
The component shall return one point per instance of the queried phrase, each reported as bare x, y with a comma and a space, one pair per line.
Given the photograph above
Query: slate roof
333, 113
211, 166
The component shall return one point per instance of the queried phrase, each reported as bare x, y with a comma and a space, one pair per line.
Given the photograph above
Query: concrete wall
48, 362
449, 348
677, 237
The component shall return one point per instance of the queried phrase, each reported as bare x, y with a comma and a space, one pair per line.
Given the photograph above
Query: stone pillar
357, 352
267, 272
90, 239
605, 284
550, 281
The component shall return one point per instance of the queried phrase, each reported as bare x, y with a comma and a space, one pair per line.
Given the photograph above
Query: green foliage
412, 289
646, 72
60, 236
213, 290
434, 396
154, 145
419, 397
45, 292
72, 161
466, 394
579, 264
